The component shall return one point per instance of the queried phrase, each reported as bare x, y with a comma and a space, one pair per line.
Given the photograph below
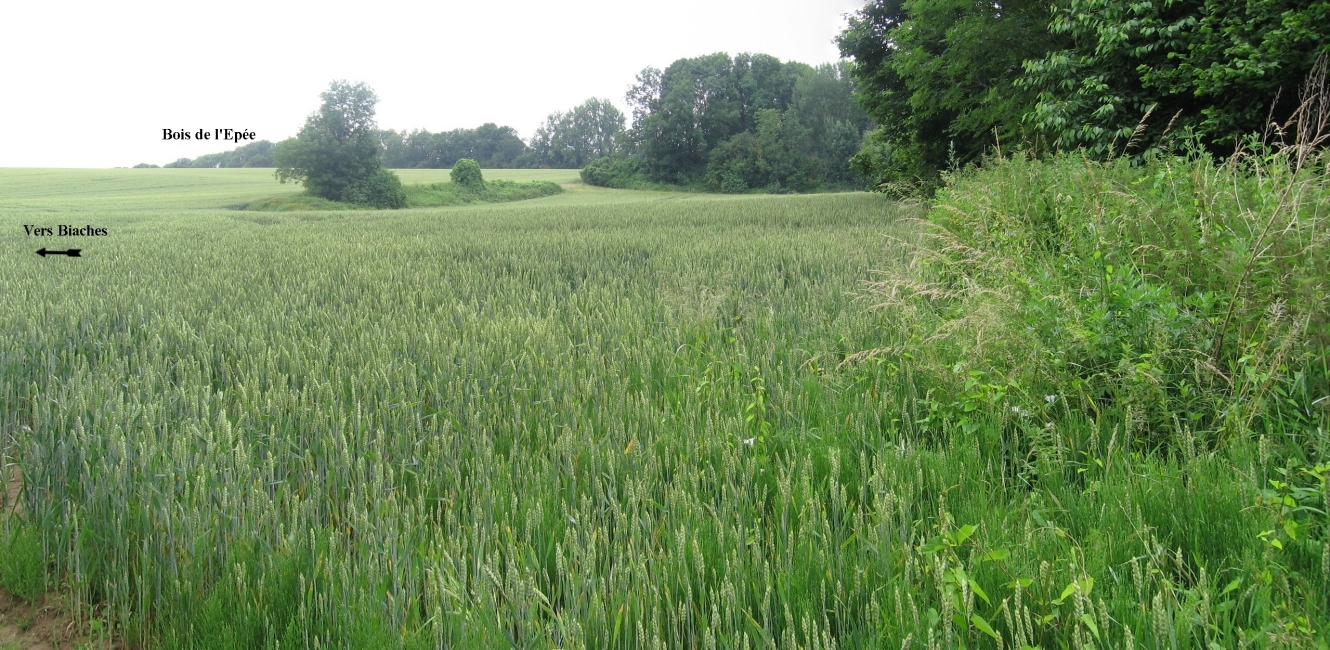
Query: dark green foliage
254, 154
467, 173
382, 189
146, 166
737, 165
622, 172
948, 79
22, 562
1215, 67
338, 148
500, 191
938, 77
778, 157
493, 146
691, 111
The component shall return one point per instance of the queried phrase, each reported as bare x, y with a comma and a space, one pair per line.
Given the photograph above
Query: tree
690, 120
338, 148
1212, 66
574, 139
939, 76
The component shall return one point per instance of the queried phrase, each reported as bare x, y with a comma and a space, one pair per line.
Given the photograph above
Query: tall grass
1113, 330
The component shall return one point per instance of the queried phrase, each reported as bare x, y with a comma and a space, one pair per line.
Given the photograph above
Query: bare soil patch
46, 624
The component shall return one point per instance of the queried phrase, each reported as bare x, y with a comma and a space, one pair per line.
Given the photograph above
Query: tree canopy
591, 130
1213, 67
490, 145
336, 155
939, 76
746, 122
947, 79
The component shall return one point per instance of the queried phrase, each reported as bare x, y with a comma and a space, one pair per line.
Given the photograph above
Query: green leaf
974, 586
1071, 588
1274, 541
983, 625
1291, 528
1089, 622
964, 533
1231, 586
997, 555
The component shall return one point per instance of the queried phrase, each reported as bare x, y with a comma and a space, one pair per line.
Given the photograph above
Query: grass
22, 562
621, 419
496, 191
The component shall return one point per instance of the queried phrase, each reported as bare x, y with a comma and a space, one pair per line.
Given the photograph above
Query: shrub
737, 165
1177, 301
615, 171
382, 189
467, 172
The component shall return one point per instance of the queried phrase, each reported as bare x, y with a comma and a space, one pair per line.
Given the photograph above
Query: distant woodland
726, 123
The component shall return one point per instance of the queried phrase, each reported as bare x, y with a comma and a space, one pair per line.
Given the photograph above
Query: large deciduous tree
573, 139
939, 76
745, 122
336, 155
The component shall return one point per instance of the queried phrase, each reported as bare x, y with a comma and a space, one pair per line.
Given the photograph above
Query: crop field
478, 426
606, 419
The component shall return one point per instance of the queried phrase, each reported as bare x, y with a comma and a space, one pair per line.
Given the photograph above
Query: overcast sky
92, 84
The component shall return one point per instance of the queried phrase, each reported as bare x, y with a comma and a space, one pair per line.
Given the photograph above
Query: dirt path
33, 627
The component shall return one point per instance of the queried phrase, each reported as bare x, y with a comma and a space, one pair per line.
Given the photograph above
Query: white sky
92, 84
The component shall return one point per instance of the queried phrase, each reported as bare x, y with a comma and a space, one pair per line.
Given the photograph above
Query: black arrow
73, 252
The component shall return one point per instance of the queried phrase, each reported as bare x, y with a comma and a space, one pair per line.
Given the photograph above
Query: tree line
946, 81
567, 140
715, 122
254, 154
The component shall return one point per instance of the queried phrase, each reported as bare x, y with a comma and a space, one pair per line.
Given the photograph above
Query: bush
467, 173
1178, 301
615, 171
382, 189
736, 165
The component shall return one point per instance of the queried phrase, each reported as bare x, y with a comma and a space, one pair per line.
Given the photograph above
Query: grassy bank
1137, 354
